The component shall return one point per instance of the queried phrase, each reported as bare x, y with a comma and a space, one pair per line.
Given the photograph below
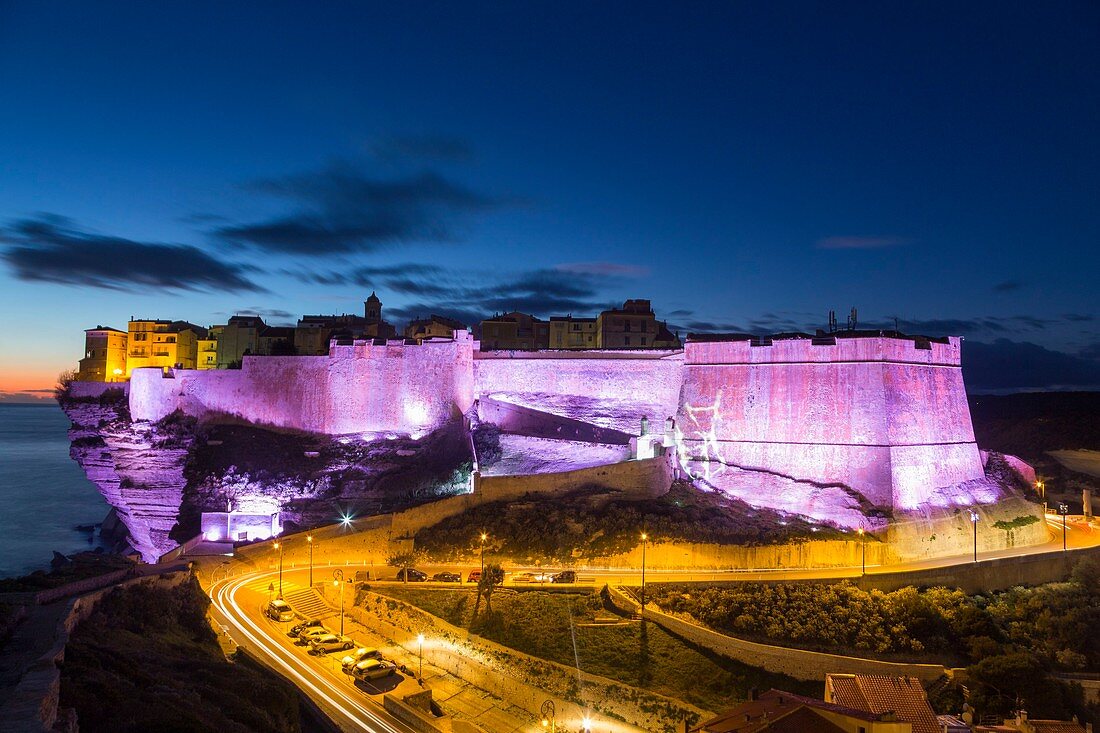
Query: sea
44, 494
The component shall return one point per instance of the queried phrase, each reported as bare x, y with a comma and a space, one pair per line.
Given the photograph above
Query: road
237, 604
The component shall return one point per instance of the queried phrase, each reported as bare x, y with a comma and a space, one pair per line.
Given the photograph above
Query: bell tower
372, 309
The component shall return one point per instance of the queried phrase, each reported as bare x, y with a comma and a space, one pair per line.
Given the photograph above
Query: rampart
833, 427
884, 418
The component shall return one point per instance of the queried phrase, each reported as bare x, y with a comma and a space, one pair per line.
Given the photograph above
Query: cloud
1008, 286
603, 269
1006, 365
860, 242
256, 310
423, 147
27, 397
681, 313
339, 209
52, 248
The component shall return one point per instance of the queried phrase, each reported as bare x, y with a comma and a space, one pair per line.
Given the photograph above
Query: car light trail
306, 678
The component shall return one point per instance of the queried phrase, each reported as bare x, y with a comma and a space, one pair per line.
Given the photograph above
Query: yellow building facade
104, 355
164, 344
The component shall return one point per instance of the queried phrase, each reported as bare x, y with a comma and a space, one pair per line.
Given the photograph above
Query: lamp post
279, 547
420, 643
548, 714
644, 538
1063, 509
863, 543
337, 580
974, 522
1041, 487
483, 538
309, 539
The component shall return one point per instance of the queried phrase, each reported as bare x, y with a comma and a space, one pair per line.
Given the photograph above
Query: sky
746, 166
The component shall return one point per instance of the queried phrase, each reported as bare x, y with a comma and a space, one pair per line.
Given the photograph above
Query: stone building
104, 355
160, 343
567, 332
631, 327
314, 333
434, 326
514, 331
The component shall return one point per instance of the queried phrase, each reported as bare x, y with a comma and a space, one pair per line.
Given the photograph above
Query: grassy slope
643, 656
592, 522
146, 660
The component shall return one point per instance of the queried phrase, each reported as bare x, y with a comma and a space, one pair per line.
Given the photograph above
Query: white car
359, 655
373, 669
279, 610
330, 643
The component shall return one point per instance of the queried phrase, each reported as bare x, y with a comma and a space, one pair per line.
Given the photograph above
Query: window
643, 340
576, 327
626, 326
626, 340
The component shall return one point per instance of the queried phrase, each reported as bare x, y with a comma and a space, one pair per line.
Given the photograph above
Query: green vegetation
1012, 639
643, 655
936, 624
147, 660
1017, 522
595, 522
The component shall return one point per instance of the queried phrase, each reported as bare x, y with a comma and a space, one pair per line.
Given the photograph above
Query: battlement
859, 347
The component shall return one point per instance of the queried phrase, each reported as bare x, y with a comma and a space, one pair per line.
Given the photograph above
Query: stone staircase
308, 603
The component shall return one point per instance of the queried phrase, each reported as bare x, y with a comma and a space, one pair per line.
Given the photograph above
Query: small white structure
256, 519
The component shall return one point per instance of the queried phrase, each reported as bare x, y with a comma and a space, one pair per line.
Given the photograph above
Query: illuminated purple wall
830, 430
865, 420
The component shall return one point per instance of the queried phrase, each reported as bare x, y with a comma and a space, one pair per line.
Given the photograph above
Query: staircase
308, 603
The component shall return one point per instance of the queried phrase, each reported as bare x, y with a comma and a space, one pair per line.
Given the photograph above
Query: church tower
372, 309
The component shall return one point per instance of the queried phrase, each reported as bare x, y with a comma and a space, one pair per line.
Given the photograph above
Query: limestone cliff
160, 476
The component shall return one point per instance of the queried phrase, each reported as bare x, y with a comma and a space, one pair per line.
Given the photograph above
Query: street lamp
548, 715
863, 542
279, 547
974, 521
483, 538
337, 577
309, 539
420, 642
586, 724
1063, 509
1041, 487
644, 538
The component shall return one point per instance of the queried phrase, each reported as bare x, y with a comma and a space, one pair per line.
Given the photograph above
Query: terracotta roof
1056, 726
903, 696
776, 711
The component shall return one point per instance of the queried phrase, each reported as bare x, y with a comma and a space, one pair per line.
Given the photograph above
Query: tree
64, 382
403, 560
490, 579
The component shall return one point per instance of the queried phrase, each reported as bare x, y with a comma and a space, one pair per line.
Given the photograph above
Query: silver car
373, 669
358, 656
330, 643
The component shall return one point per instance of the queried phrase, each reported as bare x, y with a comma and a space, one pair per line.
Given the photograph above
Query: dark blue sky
747, 166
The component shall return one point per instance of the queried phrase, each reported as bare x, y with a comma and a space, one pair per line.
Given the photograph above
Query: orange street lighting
278, 546
483, 538
863, 542
420, 642
309, 539
644, 538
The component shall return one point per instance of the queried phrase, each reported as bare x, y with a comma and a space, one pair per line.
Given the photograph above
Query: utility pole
309, 539
974, 521
644, 538
279, 547
863, 543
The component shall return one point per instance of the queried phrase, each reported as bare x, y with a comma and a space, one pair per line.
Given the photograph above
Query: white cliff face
137, 470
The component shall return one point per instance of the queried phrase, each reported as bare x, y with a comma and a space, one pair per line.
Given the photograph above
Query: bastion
843, 427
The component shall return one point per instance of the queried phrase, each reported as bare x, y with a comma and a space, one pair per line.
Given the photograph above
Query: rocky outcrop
160, 476
138, 467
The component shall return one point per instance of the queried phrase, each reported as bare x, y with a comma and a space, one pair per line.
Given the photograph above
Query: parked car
299, 628
446, 577
474, 577
358, 656
373, 669
310, 634
330, 643
279, 610
411, 575
565, 576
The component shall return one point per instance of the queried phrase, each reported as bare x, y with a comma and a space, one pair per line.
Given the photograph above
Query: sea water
44, 494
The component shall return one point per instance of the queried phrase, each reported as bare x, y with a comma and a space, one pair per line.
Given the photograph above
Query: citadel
861, 429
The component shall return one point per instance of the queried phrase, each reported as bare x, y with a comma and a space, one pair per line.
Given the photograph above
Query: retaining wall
797, 663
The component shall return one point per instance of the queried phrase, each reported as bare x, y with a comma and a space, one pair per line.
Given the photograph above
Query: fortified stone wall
877, 417
359, 388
